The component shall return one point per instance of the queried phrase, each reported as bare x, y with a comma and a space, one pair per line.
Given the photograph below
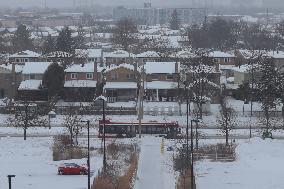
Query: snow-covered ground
258, 166
31, 162
155, 168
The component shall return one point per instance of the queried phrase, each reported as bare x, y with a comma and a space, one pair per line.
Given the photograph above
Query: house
80, 82
93, 55
10, 79
148, 56
118, 57
161, 80
223, 58
121, 83
31, 85
24, 56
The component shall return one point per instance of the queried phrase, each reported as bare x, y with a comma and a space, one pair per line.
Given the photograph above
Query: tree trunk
25, 133
227, 137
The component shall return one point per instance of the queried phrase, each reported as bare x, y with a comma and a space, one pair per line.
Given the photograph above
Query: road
211, 136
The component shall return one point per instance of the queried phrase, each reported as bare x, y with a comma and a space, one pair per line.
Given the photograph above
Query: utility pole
140, 100
10, 180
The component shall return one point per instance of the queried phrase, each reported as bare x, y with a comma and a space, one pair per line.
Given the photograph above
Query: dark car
72, 169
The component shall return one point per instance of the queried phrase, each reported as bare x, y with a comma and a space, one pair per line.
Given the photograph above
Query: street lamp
191, 151
102, 98
10, 180
88, 161
187, 126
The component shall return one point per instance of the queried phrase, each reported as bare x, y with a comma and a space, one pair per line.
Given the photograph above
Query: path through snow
154, 168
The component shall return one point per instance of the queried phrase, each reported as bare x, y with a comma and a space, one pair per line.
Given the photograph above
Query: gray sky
138, 3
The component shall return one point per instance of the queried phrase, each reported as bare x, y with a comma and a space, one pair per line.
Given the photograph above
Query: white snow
160, 67
118, 54
147, 54
30, 85
31, 162
80, 83
35, 67
259, 165
153, 172
220, 54
161, 85
124, 65
120, 85
81, 68
25, 54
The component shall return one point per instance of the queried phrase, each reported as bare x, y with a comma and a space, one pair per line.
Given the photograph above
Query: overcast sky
138, 3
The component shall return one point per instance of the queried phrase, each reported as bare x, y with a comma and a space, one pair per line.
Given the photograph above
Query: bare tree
226, 119
72, 123
200, 74
26, 115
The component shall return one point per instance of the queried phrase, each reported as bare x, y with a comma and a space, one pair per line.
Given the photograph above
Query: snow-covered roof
58, 54
148, 54
184, 54
81, 68
160, 67
25, 54
91, 53
161, 85
113, 67
80, 83
35, 67
30, 85
118, 54
227, 67
243, 68
220, 54
276, 54
120, 85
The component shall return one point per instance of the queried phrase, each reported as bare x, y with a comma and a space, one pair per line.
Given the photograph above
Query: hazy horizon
138, 3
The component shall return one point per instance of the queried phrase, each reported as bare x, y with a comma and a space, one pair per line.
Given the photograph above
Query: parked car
72, 169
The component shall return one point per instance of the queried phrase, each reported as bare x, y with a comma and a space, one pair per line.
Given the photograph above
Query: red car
72, 169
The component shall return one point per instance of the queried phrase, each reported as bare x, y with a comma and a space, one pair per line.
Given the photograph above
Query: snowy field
31, 162
259, 165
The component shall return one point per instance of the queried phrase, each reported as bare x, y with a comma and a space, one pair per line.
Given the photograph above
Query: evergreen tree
21, 40
53, 80
49, 45
124, 33
65, 41
268, 89
174, 22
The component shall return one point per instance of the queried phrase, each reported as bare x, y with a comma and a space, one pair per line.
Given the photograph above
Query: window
170, 76
73, 75
226, 60
130, 76
113, 76
17, 60
32, 76
89, 75
155, 76
216, 60
26, 60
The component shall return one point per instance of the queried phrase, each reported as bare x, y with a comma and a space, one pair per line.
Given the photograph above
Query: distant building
153, 16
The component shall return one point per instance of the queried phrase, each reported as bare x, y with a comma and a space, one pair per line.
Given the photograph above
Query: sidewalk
152, 172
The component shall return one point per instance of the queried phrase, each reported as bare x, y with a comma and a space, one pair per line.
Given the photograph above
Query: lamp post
191, 150
88, 161
10, 180
104, 133
187, 127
